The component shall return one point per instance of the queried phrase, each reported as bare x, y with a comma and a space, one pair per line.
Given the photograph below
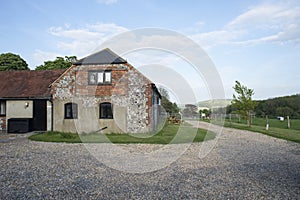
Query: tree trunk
267, 123
249, 119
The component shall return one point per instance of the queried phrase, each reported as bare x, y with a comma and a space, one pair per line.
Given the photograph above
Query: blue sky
255, 42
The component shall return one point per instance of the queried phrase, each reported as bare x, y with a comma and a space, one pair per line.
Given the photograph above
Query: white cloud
214, 38
73, 33
261, 15
84, 40
264, 23
267, 16
40, 56
107, 2
290, 35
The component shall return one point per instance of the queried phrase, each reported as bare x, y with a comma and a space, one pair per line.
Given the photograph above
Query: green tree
279, 106
10, 62
166, 104
243, 101
207, 112
175, 108
284, 111
58, 63
171, 108
164, 93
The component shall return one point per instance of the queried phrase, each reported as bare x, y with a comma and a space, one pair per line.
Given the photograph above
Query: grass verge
169, 134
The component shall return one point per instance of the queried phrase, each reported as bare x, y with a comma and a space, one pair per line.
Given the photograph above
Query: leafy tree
230, 109
171, 108
175, 108
166, 104
71, 59
243, 101
10, 62
58, 63
164, 93
284, 111
279, 106
207, 112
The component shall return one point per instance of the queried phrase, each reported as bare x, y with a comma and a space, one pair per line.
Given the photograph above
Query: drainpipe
52, 111
153, 107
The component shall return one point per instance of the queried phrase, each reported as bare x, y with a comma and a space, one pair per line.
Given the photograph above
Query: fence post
288, 121
267, 123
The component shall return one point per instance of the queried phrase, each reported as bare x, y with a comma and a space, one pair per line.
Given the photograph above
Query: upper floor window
106, 111
71, 111
99, 77
2, 108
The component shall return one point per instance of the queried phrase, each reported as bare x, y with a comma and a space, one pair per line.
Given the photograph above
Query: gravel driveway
242, 165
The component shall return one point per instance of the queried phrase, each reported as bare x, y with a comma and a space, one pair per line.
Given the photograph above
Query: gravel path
242, 165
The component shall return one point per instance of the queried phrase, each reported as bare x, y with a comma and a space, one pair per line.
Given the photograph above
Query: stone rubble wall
3, 124
129, 88
63, 89
136, 101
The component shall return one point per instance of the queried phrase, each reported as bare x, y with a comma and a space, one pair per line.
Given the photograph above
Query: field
295, 123
277, 128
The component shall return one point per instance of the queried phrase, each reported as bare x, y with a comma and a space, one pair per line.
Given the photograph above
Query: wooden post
267, 123
289, 122
230, 118
249, 119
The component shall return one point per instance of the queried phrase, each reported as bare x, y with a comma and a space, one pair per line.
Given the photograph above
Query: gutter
25, 98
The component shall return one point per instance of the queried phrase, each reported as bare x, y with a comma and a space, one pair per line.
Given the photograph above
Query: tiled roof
106, 56
27, 84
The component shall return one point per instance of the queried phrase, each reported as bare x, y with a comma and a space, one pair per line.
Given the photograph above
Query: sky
256, 42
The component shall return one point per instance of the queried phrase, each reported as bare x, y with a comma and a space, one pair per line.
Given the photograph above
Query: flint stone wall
130, 94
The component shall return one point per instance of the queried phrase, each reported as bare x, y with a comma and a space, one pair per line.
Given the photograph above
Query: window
71, 111
99, 77
2, 108
105, 111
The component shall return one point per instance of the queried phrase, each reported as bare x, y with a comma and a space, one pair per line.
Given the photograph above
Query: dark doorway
39, 121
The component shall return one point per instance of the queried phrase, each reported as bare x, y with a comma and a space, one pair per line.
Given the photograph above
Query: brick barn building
99, 92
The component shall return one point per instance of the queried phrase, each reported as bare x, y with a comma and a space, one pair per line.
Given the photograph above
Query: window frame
3, 102
108, 110
96, 73
73, 111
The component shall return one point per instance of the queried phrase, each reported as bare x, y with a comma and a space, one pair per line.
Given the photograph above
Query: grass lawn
277, 128
181, 134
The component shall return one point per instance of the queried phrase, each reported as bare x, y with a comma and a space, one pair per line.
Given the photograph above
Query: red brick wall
118, 85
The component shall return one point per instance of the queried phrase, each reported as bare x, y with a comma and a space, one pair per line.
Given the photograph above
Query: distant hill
278, 106
215, 103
